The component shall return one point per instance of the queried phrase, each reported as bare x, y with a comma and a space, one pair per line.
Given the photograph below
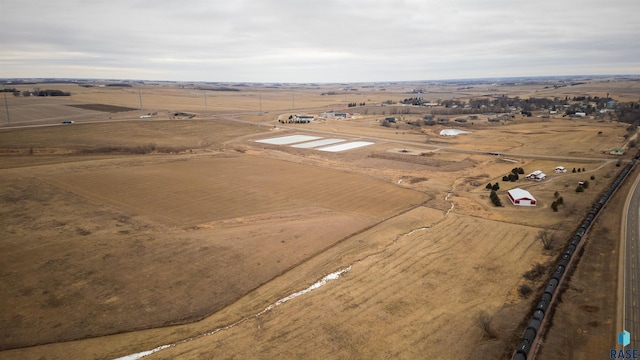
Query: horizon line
8, 80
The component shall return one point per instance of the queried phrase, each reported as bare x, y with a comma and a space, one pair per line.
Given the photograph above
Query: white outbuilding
521, 197
536, 175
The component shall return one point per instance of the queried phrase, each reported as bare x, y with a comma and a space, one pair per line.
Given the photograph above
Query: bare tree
547, 239
483, 321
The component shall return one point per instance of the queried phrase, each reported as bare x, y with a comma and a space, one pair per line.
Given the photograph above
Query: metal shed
521, 197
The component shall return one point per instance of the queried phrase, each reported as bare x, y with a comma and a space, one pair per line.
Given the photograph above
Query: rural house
521, 197
536, 175
302, 119
617, 151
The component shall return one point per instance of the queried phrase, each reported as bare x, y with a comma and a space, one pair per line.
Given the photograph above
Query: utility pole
205, 100
6, 105
140, 95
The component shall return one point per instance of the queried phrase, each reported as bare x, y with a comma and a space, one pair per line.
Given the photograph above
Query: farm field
122, 234
400, 288
224, 212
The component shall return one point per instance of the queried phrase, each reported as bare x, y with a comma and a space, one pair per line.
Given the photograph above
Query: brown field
237, 202
120, 234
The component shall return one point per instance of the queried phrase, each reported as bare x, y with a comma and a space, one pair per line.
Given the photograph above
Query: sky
317, 41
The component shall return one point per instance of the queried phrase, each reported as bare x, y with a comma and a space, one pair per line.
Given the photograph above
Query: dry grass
589, 304
112, 240
400, 288
183, 133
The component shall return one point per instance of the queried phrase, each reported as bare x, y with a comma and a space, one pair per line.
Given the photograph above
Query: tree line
38, 92
501, 104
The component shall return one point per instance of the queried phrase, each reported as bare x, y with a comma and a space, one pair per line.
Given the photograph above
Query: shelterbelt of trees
589, 105
37, 92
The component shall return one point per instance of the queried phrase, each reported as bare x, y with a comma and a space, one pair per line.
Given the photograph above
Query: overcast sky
317, 41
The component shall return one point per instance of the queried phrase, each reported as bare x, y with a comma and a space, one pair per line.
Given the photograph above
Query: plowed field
204, 190
116, 246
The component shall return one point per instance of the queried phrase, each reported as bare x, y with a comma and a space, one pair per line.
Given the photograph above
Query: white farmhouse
303, 119
536, 175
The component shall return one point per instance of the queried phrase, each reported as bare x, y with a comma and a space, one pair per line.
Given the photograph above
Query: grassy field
585, 322
390, 304
120, 234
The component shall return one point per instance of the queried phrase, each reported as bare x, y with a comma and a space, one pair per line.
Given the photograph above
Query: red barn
521, 197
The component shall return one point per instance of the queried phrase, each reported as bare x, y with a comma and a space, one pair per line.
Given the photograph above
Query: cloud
330, 41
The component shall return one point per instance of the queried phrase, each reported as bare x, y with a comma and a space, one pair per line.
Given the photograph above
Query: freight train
543, 307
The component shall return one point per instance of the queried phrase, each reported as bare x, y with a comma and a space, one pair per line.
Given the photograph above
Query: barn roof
518, 193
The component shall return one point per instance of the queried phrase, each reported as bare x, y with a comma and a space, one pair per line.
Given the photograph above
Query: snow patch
317, 284
453, 132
